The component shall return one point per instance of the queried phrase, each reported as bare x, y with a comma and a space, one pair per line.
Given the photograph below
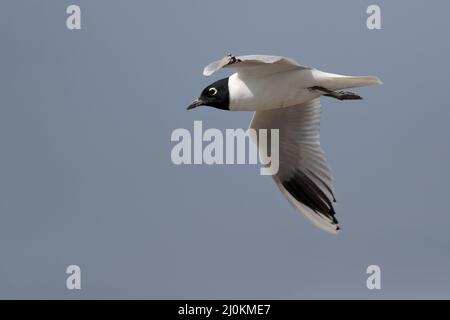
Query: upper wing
253, 65
303, 176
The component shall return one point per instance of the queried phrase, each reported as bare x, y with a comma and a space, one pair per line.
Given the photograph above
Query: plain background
86, 176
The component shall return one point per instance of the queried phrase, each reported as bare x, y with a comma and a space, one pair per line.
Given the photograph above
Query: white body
285, 89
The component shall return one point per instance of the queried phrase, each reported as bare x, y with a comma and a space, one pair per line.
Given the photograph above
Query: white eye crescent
212, 91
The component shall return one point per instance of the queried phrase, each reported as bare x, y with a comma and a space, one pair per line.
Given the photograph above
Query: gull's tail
337, 82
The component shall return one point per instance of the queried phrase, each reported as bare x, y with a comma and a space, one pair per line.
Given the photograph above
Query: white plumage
285, 96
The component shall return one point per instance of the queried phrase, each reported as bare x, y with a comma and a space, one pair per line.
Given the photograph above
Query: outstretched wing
303, 176
253, 65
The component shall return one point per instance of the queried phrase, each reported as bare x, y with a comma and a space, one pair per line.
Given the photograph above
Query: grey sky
86, 176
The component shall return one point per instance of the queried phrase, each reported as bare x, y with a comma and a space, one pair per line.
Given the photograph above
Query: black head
215, 95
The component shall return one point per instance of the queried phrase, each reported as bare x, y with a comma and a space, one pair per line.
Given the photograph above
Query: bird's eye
212, 91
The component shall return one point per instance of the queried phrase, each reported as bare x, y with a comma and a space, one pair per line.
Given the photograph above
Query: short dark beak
196, 103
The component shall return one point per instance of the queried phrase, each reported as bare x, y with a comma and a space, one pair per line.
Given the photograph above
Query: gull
285, 95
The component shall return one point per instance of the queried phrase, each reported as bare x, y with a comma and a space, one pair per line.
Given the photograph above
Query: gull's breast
274, 91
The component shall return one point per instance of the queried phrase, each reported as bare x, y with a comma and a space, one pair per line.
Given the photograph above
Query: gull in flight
285, 95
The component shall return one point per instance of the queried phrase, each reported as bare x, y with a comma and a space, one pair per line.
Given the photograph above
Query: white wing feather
304, 176
253, 65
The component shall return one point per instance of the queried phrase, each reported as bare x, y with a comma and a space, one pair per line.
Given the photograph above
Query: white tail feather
337, 82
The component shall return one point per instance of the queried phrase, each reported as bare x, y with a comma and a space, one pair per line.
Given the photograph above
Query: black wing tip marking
324, 184
304, 190
231, 59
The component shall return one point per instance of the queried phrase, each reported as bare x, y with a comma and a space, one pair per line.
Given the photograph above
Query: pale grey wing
303, 175
253, 65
